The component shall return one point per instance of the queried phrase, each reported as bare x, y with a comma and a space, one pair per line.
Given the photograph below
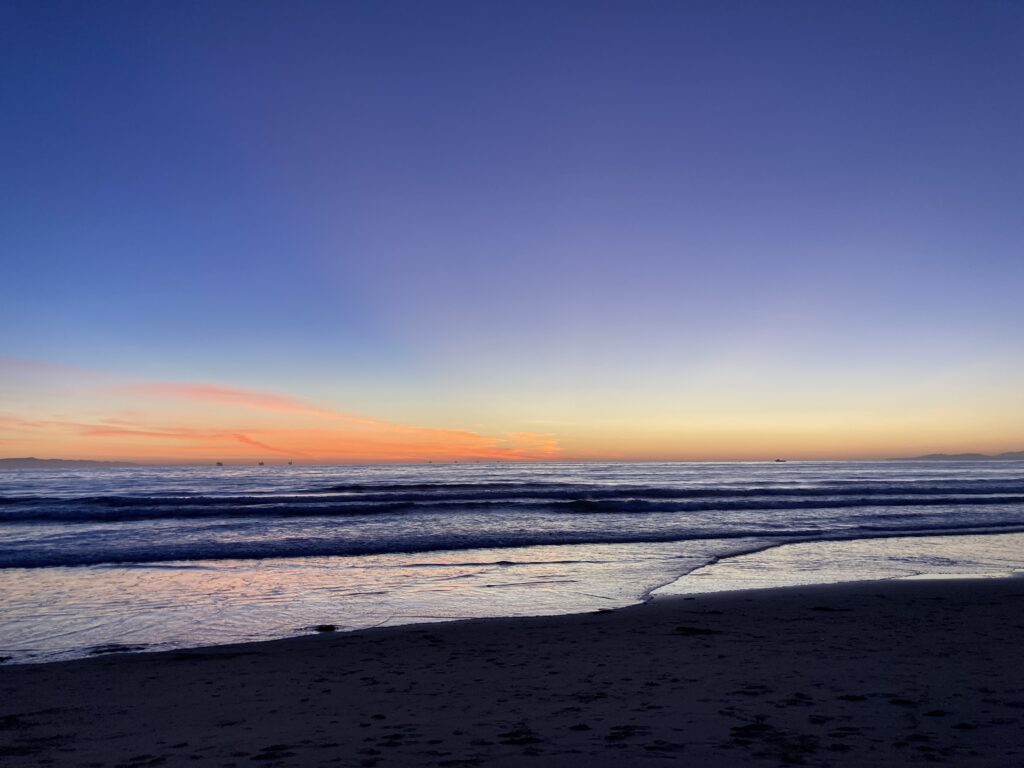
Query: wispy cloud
245, 439
211, 393
164, 426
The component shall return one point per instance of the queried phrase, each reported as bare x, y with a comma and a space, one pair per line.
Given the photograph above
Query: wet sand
881, 674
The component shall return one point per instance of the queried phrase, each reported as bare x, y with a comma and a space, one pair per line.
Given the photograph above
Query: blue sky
482, 215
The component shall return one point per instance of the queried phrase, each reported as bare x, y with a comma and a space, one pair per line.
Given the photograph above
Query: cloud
395, 443
169, 431
249, 441
16, 423
26, 367
211, 393
539, 443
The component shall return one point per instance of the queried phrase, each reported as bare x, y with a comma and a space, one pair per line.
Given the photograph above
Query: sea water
164, 557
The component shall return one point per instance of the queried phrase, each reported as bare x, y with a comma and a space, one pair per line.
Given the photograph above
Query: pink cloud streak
338, 435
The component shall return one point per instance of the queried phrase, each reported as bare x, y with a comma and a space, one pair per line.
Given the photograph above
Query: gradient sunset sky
339, 231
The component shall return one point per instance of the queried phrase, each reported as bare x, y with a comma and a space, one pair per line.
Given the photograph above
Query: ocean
152, 558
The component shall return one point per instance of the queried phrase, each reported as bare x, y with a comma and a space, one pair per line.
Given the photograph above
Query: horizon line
513, 461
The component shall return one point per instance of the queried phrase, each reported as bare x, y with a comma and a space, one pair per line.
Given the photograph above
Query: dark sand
854, 675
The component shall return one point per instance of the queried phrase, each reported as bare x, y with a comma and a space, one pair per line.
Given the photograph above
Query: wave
291, 548
128, 508
512, 491
589, 506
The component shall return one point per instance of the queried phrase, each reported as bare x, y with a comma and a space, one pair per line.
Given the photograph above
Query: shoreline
650, 598
889, 672
716, 576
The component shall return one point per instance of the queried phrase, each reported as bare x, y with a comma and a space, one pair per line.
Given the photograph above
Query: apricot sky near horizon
400, 231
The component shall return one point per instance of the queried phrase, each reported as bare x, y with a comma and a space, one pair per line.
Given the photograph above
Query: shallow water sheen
833, 562
176, 556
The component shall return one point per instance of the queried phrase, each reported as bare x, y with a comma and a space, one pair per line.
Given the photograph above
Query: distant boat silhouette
261, 463
220, 463
780, 461
289, 463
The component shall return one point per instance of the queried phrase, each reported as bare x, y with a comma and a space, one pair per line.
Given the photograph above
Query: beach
164, 558
564, 384
880, 673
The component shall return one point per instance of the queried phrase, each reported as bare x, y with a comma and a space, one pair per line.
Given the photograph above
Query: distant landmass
1008, 456
31, 462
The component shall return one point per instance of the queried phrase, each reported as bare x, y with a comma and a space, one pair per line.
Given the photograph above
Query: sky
409, 231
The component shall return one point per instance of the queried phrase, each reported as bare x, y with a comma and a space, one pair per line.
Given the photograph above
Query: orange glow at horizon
55, 412
239, 425
385, 443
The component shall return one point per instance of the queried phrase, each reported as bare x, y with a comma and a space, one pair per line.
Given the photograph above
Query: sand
882, 673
